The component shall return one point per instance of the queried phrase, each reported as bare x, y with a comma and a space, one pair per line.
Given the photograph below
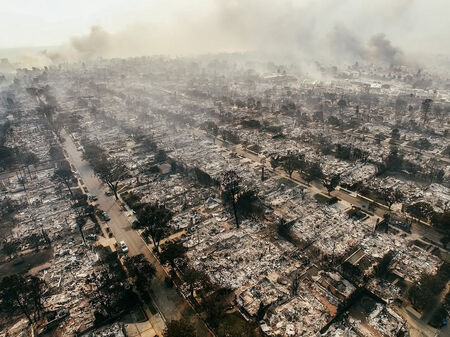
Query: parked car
123, 247
108, 231
92, 198
102, 215
91, 237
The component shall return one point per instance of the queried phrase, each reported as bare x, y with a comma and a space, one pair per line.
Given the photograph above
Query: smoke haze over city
387, 32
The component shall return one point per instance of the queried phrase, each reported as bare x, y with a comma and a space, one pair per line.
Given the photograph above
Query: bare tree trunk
68, 186
115, 190
80, 228
24, 310
235, 214
156, 244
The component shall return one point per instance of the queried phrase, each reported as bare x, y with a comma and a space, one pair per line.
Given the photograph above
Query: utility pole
332, 253
263, 162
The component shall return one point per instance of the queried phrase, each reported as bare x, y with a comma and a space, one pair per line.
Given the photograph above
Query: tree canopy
65, 176
180, 328
330, 183
111, 171
154, 218
231, 183
172, 251
23, 293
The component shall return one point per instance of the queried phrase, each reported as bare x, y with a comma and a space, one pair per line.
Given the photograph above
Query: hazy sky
35, 23
385, 30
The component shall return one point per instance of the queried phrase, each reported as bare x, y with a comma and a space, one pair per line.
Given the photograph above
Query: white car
124, 247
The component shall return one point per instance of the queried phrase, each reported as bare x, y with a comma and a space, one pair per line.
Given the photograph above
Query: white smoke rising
330, 31
96, 43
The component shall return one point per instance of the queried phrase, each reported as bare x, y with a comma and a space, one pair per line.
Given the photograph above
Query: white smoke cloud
332, 31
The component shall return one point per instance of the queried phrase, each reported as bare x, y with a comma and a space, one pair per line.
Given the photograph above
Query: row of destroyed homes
318, 206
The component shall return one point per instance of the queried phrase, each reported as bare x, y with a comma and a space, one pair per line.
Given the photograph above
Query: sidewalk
144, 329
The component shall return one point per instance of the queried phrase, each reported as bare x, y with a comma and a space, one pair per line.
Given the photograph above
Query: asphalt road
168, 301
416, 228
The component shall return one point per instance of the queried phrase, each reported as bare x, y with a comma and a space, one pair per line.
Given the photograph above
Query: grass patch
322, 199
356, 214
287, 182
234, 323
132, 199
24, 263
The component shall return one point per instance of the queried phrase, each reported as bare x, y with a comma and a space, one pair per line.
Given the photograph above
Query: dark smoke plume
382, 50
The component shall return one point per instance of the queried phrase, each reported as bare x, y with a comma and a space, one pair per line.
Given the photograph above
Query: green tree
292, 162
8, 206
56, 153
111, 171
161, 156
23, 293
248, 204
423, 292
342, 104
445, 240
92, 152
395, 134
29, 158
394, 160
47, 111
232, 327
81, 221
65, 176
400, 105
382, 267
442, 221
7, 157
313, 171
149, 144
330, 183
215, 306
231, 183
109, 295
343, 152
391, 196
275, 161
172, 251
195, 279
154, 218
140, 270
438, 317
421, 210
284, 229
9, 248
426, 108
